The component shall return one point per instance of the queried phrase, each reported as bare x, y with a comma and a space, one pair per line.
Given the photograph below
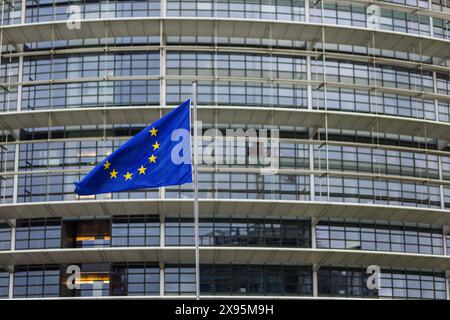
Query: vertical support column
308, 78
436, 104
444, 239
11, 268
13, 234
306, 10
431, 18
11, 283
312, 190
431, 27
447, 284
325, 101
161, 280
162, 193
163, 8
20, 79
436, 110
441, 187
314, 222
445, 233
315, 283
311, 131
16, 133
16, 169
24, 6
162, 233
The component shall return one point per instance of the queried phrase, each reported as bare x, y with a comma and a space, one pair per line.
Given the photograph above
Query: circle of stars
142, 170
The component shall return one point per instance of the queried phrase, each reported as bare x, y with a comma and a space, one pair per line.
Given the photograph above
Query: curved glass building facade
359, 92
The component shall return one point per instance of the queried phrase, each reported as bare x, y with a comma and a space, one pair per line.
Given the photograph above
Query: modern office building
358, 90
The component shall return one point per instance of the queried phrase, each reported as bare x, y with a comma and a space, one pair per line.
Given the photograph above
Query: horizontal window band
276, 52
256, 170
324, 143
214, 79
239, 255
273, 51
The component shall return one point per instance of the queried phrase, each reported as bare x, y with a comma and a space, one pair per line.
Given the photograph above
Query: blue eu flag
159, 155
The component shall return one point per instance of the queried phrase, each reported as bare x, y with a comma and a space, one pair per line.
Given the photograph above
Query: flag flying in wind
159, 155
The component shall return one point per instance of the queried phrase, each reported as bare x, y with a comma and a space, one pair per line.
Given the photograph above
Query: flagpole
195, 185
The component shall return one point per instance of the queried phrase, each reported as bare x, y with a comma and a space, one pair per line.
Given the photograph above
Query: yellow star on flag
155, 146
142, 170
127, 176
113, 174
107, 165
152, 159
153, 131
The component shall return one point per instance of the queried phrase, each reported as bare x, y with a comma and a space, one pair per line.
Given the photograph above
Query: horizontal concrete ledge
230, 114
236, 255
225, 27
225, 208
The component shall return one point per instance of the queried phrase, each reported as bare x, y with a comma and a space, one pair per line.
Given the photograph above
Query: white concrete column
10, 268
314, 222
306, 10
163, 8
447, 284
11, 283
12, 223
16, 133
431, 27
315, 283
430, 6
24, 5
162, 234
312, 190
441, 187
308, 62
445, 233
161, 280
444, 238
20, 79
436, 103
16, 169
162, 193
308, 78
